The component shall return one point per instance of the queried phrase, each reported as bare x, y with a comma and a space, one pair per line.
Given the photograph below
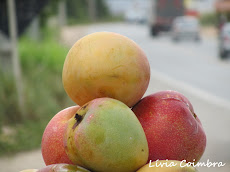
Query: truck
162, 13
223, 27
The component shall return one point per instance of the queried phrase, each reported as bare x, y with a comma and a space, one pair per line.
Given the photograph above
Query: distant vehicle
162, 13
224, 40
185, 27
136, 16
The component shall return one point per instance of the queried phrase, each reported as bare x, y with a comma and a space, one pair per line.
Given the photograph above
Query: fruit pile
111, 129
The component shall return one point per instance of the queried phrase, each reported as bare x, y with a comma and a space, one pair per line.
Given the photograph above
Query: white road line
206, 96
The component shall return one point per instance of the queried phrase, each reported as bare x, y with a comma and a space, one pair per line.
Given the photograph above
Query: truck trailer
162, 13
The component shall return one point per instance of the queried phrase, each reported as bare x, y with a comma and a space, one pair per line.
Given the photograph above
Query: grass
41, 63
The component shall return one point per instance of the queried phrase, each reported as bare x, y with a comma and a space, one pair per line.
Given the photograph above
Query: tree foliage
209, 19
77, 11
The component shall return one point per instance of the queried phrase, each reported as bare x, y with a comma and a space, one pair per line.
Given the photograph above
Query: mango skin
63, 168
106, 64
156, 167
52, 146
172, 128
105, 135
30, 170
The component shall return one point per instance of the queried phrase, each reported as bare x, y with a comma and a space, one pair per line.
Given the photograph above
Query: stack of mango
112, 128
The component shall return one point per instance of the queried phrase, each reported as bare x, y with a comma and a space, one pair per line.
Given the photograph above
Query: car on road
224, 41
136, 16
185, 27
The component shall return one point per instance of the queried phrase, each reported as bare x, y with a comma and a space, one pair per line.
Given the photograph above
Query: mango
105, 135
172, 128
52, 145
106, 64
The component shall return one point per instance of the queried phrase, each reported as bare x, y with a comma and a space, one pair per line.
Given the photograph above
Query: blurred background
187, 43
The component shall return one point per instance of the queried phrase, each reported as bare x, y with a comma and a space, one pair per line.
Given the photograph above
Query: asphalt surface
191, 68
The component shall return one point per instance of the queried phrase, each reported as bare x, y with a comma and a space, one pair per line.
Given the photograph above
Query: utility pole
5, 54
12, 25
62, 13
92, 10
34, 29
